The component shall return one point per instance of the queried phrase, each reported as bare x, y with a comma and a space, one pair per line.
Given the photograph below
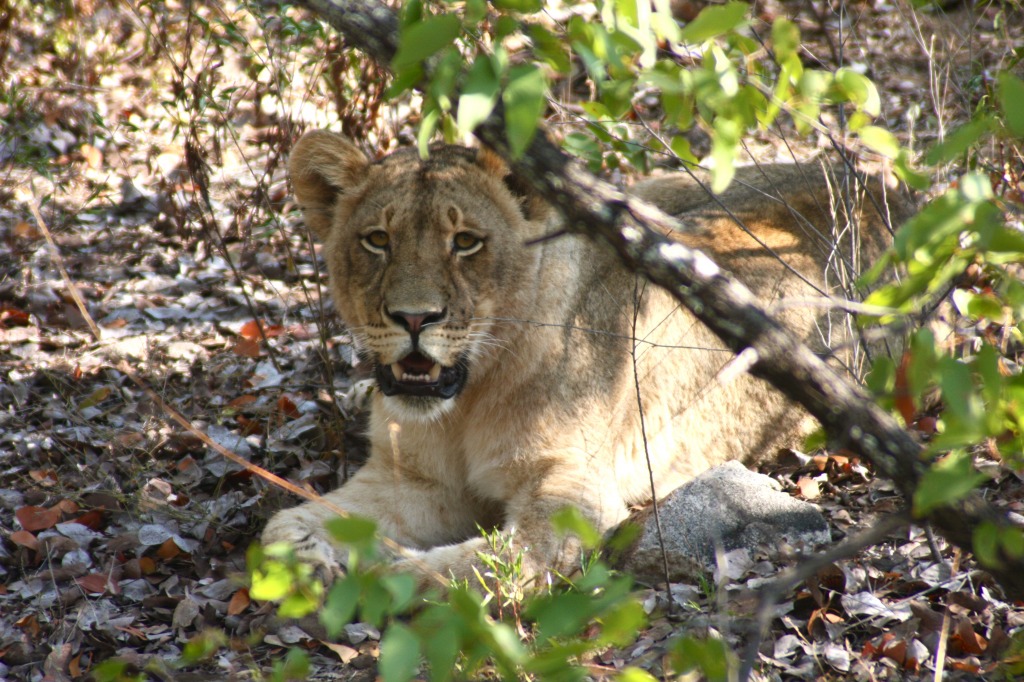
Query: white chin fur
405, 408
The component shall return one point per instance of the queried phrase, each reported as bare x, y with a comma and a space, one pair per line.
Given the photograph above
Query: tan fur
549, 413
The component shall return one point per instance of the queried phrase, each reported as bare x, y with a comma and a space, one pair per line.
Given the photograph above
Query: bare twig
59, 261
940, 653
638, 292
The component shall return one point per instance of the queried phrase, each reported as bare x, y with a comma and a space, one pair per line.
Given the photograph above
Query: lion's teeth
431, 376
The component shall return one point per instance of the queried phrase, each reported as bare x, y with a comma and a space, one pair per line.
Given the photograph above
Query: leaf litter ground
154, 143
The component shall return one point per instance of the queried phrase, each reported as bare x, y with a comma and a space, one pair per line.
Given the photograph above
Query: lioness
517, 375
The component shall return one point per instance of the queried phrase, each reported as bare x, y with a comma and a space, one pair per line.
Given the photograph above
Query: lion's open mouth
418, 375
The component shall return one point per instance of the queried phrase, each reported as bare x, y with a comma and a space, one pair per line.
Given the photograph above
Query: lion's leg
528, 526
414, 514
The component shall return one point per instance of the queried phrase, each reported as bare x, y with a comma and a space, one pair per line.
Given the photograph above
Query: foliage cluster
544, 636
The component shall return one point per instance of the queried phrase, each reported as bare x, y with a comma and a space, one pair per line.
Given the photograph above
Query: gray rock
729, 507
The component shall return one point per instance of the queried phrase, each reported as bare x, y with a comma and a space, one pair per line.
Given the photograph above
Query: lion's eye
376, 241
465, 243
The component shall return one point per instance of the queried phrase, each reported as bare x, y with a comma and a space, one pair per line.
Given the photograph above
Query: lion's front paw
326, 560
310, 547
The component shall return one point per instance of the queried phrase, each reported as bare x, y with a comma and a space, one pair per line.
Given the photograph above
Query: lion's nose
414, 322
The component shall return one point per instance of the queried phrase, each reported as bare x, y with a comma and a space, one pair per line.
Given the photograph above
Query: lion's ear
534, 207
322, 166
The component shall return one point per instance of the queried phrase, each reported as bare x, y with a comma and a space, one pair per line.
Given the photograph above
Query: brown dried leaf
345, 653
902, 398
93, 157
239, 602
91, 519
12, 317
29, 624
242, 401
97, 583
37, 518
168, 550
809, 488
25, 539
247, 348
287, 407
23, 230
67, 507
44, 477
95, 398
970, 641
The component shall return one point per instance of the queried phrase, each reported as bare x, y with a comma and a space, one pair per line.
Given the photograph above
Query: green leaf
116, 670
428, 126
633, 674
948, 480
402, 588
586, 148
958, 142
1013, 542
295, 665
558, 615
710, 656
860, 90
978, 306
521, 6
442, 645
975, 187
506, 643
880, 141
301, 602
353, 530
420, 40
202, 646
399, 654
271, 581
908, 174
340, 607
724, 146
881, 379
621, 623
550, 48
986, 544
1011, 102
681, 148
525, 99
714, 21
569, 521
785, 39
404, 80
478, 95
476, 10
375, 601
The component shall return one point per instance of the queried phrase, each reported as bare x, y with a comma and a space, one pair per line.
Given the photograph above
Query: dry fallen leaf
246, 348
809, 488
343, 652
239, 602
97, 583
93, 156
37, 518
25, 539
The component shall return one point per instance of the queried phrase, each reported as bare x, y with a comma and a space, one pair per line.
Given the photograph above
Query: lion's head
426, 259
